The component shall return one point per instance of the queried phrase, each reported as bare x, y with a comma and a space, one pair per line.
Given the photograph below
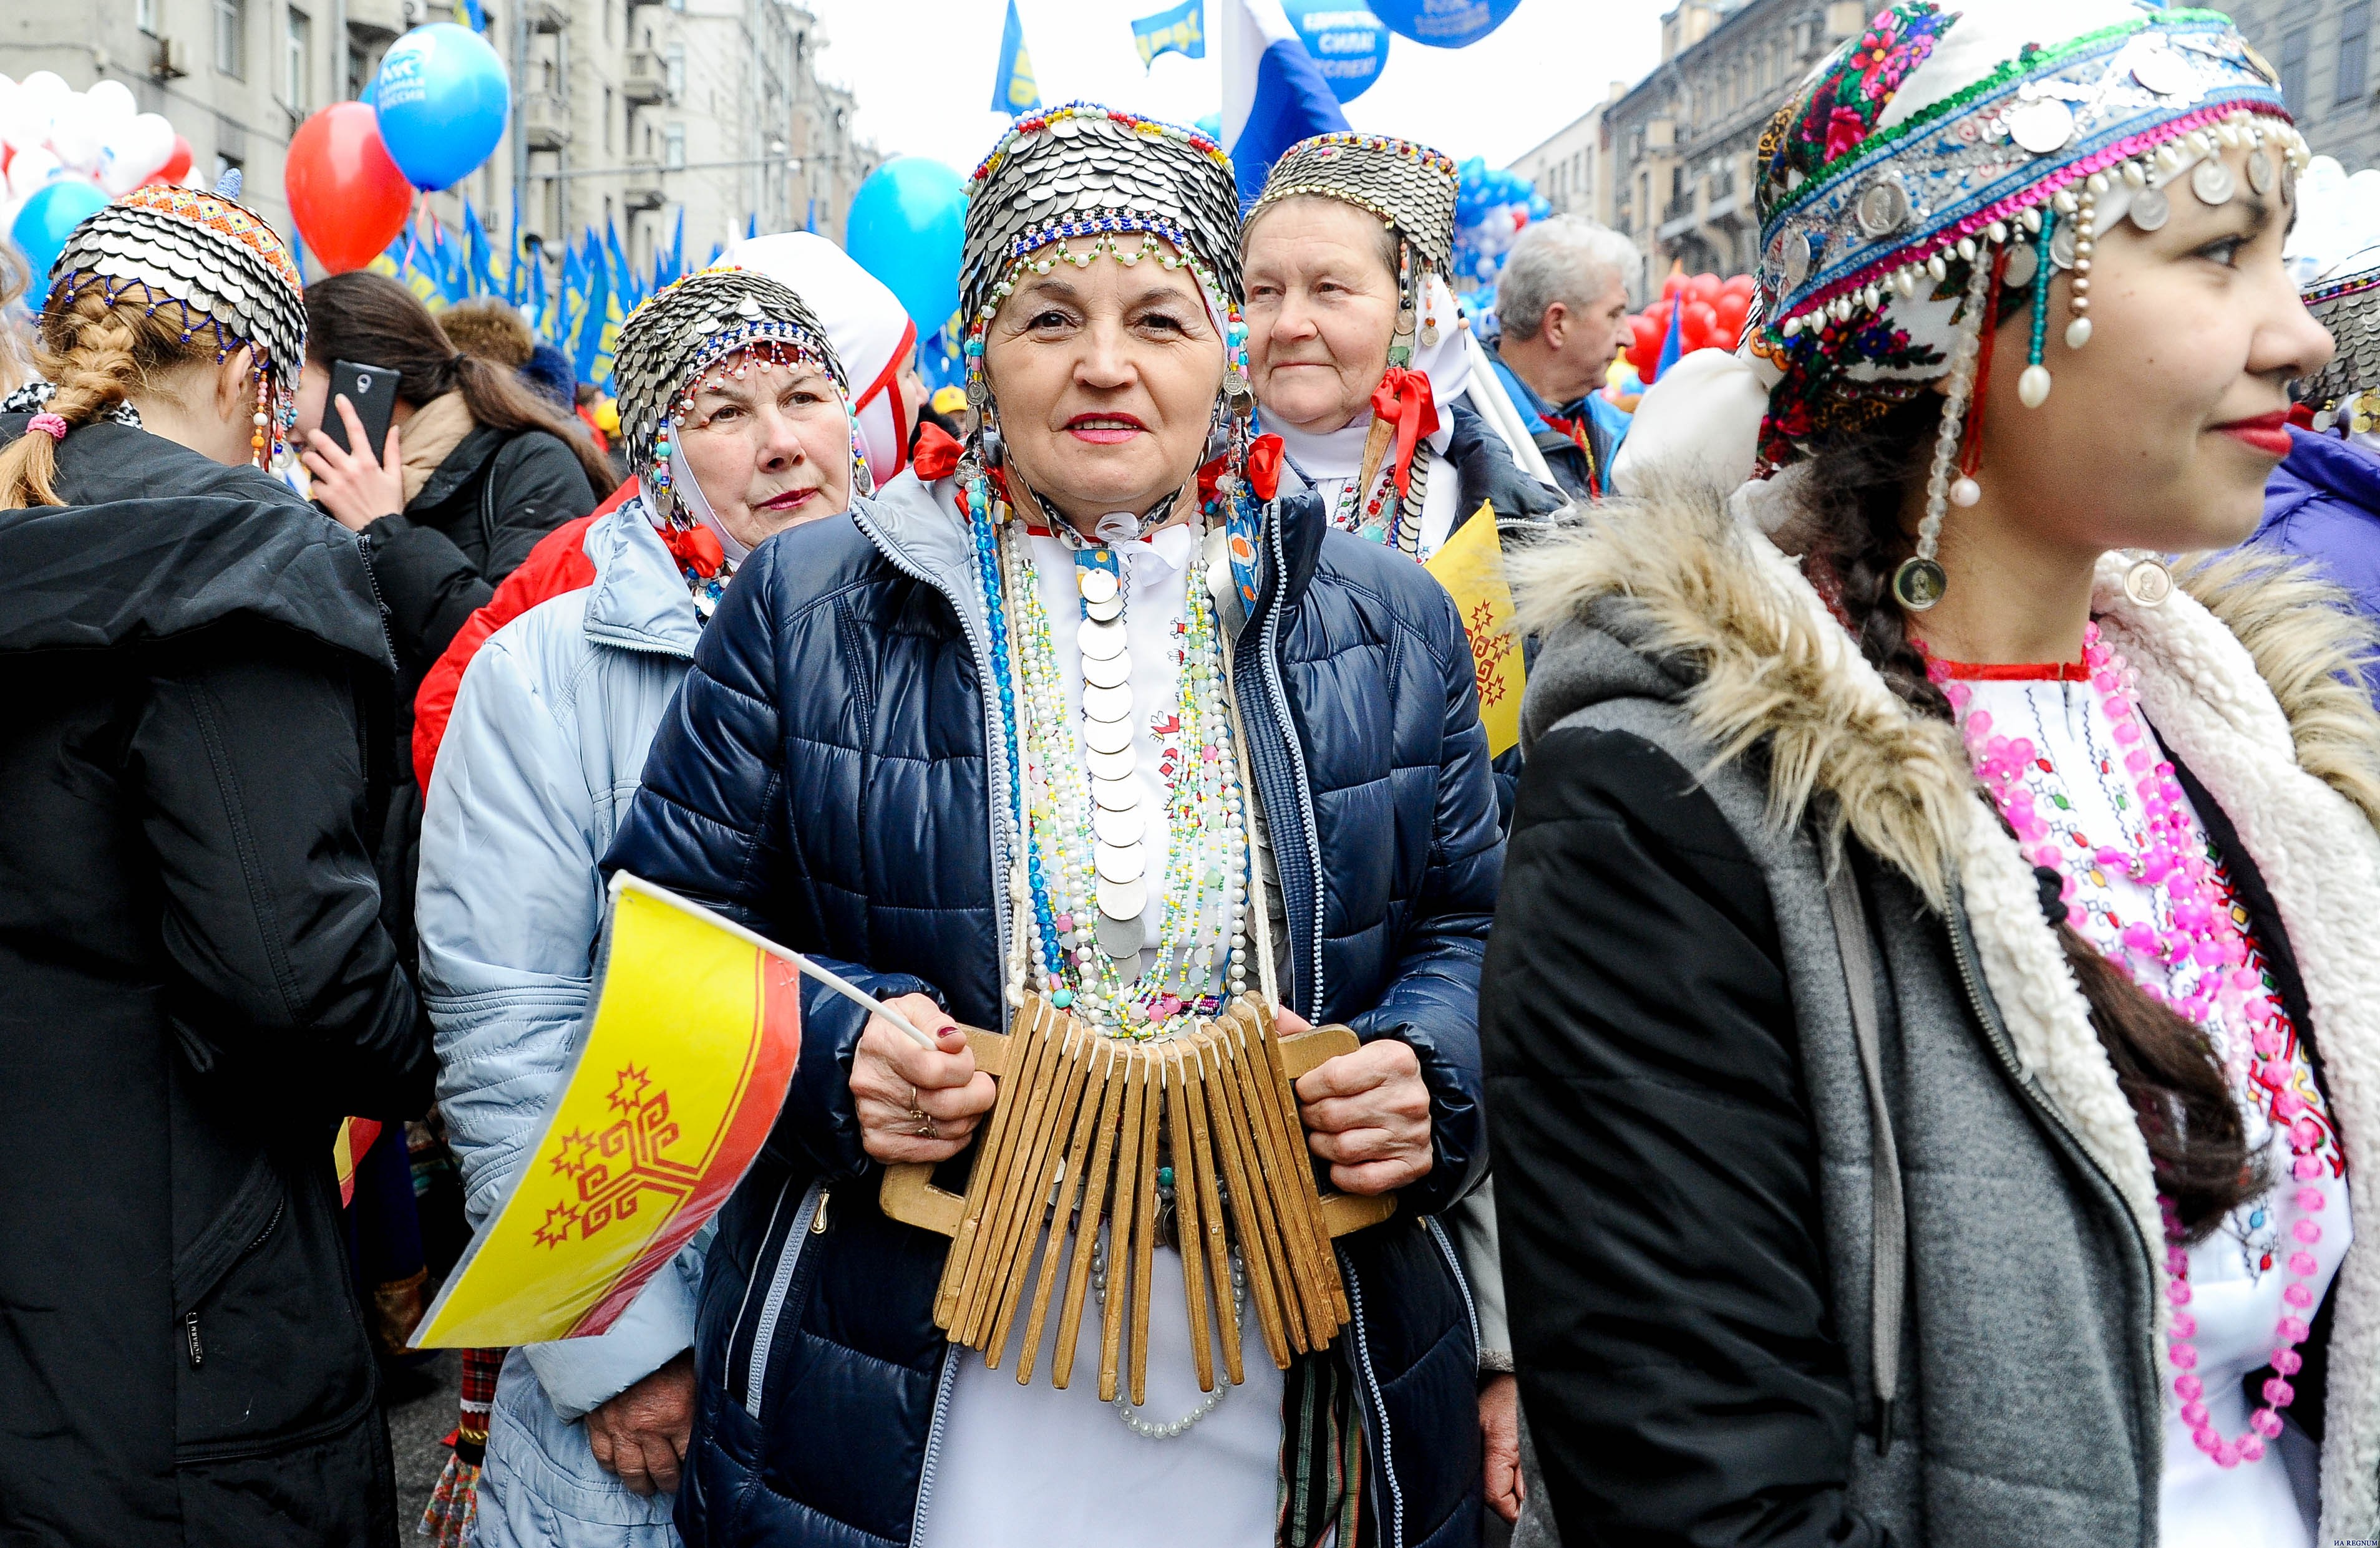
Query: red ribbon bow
1264, 466
697, 547
1403, 399
936, 455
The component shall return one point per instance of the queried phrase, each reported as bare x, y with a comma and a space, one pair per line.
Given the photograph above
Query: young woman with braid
1929, 1087
194, 982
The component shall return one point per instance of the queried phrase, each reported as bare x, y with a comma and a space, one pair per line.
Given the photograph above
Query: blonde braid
96, 351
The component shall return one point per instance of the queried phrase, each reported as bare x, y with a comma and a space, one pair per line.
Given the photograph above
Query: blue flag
1181, 30
541, 320
1273, 93
1673, 343
515, 278
1013, 91
587, 328
477, 248
471, 13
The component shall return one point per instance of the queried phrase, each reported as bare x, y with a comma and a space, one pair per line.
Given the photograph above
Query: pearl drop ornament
2031, 389
2078, 332
1965, 491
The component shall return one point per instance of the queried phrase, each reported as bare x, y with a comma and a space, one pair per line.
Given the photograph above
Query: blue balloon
1350, 45
442, 100
1211, 126
1444, 23
908, 224
48, 217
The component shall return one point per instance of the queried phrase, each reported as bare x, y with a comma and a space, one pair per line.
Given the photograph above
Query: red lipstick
2269, 433
1105, 430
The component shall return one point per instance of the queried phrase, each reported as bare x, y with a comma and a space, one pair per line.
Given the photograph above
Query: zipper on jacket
942, 1388
1971, 979
1462, 1282
191, 1328
1300, 797
752, 1279
190, 1319
1380, 1405
781, 1286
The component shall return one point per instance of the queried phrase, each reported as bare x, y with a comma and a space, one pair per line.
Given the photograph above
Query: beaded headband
688, 326
227, 271
1408, 186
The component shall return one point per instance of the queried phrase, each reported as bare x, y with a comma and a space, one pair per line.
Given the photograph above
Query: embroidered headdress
1922, 173
2334, 252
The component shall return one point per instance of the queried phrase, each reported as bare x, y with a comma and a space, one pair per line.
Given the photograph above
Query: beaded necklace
1398, 530
2192, 956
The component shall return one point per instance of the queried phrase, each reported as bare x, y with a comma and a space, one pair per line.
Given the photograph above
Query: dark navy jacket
823, 777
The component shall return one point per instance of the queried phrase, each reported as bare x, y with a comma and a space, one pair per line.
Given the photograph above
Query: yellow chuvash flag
354, 1137
683, 1057
1471, 566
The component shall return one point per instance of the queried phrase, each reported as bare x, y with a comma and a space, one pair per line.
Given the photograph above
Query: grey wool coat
1998, 1276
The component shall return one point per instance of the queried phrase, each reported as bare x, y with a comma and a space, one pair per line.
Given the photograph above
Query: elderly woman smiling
890, 753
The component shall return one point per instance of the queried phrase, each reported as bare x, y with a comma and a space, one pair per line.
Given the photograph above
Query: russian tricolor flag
1273, 95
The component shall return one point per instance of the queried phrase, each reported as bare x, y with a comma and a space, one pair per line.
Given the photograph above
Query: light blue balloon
49, 216
1444, 23
908, 224
1211, 126
1349, 44
442, 100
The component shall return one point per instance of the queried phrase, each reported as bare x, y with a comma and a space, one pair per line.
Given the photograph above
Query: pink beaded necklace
2201, 931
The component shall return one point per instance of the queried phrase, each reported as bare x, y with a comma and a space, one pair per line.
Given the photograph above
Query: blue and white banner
1178, 30
1349, 44
1273, 93
1013, 90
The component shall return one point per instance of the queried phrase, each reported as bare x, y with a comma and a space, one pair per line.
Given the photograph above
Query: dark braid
1849, 527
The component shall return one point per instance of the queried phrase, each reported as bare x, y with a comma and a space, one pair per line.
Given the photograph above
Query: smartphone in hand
372, 390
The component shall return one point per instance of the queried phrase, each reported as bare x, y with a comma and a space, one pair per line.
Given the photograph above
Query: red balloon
1701, 326
1731, 309
1704, 287
1741, 284
348, 198
1673, 286
177, 165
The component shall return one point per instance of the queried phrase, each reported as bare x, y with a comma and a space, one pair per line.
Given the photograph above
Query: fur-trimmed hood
2250, 673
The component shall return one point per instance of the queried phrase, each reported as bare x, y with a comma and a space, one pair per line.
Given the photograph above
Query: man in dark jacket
1561, 313
194, 986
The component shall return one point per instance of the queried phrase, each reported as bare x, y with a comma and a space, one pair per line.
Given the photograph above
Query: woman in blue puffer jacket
548, 738
868, 763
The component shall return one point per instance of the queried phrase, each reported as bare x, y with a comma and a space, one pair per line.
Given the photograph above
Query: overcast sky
922, 70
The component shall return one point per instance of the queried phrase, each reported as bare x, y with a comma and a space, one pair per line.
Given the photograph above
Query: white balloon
46, 87
32, 167
111, 102
75, 133
138, 147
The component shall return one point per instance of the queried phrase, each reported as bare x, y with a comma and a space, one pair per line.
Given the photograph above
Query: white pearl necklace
1213, 1400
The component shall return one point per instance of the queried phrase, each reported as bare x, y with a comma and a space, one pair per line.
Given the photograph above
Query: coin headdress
2335, 253
1136, 187
687, 328
1948, 159
1411, 187
216, 265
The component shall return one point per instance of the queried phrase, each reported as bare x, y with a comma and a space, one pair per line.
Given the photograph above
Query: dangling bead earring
1430, 313
1400, 347
2032, 387
257, 439
1921, 581
2086, 235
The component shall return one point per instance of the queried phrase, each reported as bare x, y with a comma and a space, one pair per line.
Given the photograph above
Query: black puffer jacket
194, 986
485, 507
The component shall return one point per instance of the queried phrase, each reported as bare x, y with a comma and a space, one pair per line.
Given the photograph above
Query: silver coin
1797, 258
1099, 640
1112, 766
2161, 70
1116, 796
1883, 206
2042, 127
2213, 182
1118, 827
1107, 671
2260, 170
1120, 861
1123, 900
2061, 246
1097, 585
1107, 736
1119, 938
2025, 261
2149, 583
1107, 704
2151, 209
1104, 613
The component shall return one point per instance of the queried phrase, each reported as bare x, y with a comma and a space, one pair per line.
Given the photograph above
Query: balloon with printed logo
443, 101
908, 224
347, 197
41, 227
1445, 23
1350, 45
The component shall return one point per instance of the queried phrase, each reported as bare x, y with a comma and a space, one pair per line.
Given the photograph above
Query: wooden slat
1189, 1238
1005, 1220
1251, 1208
1282, 1149
985, 1180
1144, 1242
1124, 1237
1113, 1076
1195, 1072
1088, 1091
1056, 1120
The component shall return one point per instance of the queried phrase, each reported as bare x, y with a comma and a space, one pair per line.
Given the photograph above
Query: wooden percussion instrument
1089, 1128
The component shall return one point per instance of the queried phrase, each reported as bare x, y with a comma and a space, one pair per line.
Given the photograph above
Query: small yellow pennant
1470, 567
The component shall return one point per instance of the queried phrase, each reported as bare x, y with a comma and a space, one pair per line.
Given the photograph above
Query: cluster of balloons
907, 225
64, 153
435, 111
1491, 208
1709, 313
1347, 42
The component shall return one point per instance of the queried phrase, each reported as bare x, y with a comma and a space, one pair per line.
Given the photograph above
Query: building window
2354, 49
2294, 49
607, 118
231, 36
296, 56
144, 12
674, 148
673, 71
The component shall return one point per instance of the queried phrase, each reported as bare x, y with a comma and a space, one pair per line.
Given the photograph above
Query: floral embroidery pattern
1819, 399
1842, 109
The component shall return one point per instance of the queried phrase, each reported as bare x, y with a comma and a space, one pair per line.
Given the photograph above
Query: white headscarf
870, 329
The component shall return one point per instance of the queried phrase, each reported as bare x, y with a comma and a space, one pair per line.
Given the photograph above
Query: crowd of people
1882, 1061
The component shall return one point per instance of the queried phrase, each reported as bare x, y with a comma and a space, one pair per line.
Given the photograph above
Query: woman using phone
1932, 1033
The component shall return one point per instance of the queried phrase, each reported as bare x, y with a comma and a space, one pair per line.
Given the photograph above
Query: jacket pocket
269, 1348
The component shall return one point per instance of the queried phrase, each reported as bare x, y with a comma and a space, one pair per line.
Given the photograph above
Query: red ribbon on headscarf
1403, 399
1264, 465
697, 547
936, 455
